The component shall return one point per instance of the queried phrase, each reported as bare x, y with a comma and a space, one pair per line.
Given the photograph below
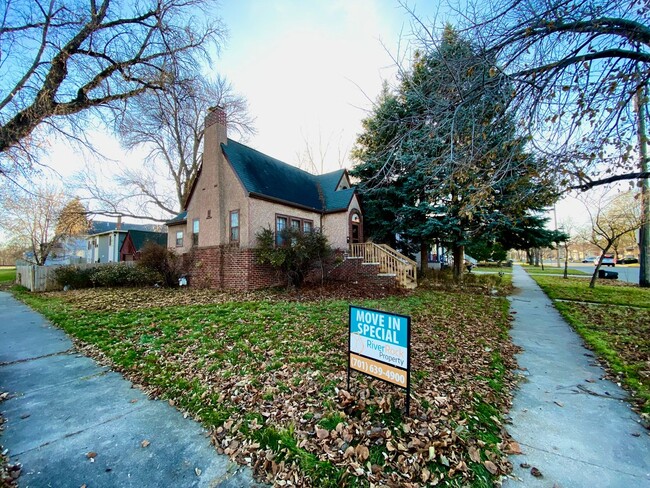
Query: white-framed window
179, 238
195, 232
234, 226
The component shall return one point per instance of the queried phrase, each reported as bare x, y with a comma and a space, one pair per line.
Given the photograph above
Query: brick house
240, 191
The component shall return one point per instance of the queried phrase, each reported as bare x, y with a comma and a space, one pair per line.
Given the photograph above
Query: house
135, 240
104, 243
240, 191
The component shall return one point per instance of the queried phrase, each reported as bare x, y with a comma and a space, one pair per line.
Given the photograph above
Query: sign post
380, 346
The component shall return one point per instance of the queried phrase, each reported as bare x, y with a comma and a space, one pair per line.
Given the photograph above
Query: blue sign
380, 335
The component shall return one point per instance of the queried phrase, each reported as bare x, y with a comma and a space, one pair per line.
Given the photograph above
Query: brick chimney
215, 126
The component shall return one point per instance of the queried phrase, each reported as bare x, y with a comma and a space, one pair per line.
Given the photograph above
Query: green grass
614, 322
243, 361
7, 275
577, 289
553, 270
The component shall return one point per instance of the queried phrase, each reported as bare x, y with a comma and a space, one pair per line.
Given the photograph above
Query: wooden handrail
389, 260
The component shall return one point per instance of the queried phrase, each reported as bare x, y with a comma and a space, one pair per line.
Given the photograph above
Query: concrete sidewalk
62, 406
571, 424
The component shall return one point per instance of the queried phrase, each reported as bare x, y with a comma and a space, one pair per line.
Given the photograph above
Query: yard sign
380, 346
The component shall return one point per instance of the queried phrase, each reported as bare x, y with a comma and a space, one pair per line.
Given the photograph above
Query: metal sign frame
407, 370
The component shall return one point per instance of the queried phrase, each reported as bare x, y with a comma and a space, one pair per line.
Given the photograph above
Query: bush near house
295, 253
167, 264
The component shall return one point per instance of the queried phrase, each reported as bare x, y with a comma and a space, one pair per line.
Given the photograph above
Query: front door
356, 229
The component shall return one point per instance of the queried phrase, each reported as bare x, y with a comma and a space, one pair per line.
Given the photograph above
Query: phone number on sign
378, 371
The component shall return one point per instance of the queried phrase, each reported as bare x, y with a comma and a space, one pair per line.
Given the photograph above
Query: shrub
74, 276
121, 274
300, 253
110, 275
167, 264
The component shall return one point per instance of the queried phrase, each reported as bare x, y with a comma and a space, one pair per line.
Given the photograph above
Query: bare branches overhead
60, 58
575, 67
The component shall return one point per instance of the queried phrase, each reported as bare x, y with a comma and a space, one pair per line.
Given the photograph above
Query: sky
310, 71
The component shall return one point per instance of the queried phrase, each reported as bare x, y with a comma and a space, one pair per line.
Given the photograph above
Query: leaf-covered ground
614, 320
266, 373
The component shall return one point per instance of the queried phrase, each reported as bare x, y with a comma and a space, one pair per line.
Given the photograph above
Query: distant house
104, 244
240, 191
135, 240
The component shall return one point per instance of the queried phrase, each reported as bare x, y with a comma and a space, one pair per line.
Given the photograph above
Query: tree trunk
592, 282
424, 257
566, 261
459, 261
529, 257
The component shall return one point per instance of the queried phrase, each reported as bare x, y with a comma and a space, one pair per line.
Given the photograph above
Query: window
307, 226
195, 232
234, 226
179, 238
295, 224
280, 225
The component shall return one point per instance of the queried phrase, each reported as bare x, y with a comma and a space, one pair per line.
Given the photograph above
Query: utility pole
557, 247
644, 231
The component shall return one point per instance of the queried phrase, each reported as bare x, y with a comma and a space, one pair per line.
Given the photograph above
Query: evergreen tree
450, 152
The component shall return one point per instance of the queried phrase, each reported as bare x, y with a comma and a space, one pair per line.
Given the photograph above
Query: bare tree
575, 66
30, 218
168, 124
61, 58
612, 217
318, 153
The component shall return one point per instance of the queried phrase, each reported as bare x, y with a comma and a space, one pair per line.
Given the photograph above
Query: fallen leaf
474, 454
145, 443
491, 467
91, 455
513, 447
525, 465
425, 475
197, 471
362, 452
322, 433
559, 404
536, 472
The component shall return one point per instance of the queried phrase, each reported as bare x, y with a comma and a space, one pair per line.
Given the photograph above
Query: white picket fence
42, 278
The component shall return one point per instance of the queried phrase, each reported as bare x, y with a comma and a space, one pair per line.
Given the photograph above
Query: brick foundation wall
353, 269
231, 268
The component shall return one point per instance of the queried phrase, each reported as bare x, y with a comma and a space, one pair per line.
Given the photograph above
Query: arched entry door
356, 227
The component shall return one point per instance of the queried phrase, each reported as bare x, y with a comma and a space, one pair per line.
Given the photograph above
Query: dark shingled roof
268, 177
139, 238
179, 219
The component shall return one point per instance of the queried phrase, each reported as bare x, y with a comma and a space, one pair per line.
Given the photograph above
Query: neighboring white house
103, 246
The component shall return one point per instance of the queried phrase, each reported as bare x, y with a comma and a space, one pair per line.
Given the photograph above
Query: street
629, 273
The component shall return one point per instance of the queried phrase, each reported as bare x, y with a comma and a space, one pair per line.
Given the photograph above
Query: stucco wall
263, 213
336, 226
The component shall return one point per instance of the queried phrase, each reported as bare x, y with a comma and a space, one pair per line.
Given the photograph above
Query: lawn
553, 270
614, 320
7, 274
267, 375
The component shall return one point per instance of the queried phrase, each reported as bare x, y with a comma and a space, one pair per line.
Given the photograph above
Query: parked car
627, 260
608, 260
591, 259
